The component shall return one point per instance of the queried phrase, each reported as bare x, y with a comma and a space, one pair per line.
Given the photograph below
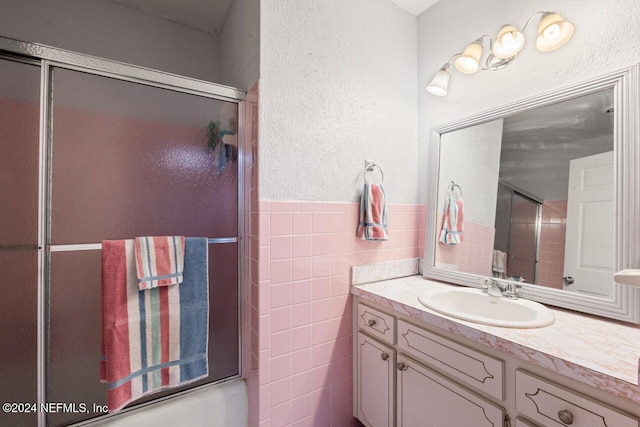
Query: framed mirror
545, 192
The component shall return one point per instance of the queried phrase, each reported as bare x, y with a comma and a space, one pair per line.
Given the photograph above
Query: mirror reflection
530, 197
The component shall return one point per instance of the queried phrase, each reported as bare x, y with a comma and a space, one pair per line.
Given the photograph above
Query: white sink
476, 306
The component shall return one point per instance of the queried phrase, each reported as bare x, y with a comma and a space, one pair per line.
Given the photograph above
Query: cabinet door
427, 399
375, 382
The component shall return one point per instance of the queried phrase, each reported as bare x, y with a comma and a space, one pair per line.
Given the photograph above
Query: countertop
599, 352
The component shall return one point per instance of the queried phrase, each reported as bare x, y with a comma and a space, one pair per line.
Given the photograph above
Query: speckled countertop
592, 350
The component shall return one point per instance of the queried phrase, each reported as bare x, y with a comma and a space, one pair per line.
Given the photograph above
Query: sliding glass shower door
86, 156
19, 119
133, 160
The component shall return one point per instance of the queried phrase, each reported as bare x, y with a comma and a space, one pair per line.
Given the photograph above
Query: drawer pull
402, 366
371, 322
384, 356
565, 416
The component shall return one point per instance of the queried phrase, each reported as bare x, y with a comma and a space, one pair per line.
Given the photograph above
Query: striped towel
157, 338
159, 261
373, 213
452, 221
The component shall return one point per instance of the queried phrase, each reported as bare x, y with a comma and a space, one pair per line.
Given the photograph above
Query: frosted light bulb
508, 40
552, 31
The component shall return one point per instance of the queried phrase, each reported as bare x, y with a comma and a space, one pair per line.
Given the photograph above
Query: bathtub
220, 405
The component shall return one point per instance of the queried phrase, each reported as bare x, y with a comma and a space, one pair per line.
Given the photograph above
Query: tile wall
473, 255
552, 239
304, 319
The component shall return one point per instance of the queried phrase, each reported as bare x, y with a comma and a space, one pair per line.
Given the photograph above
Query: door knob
568, 280
384, 356
402, 366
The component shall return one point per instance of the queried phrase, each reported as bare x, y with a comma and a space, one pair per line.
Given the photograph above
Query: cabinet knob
371, 322
384, 356
565, 416
402, 366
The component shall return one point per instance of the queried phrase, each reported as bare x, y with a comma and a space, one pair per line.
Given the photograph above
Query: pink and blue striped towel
159, 261
157, 338
373, 213
452, 221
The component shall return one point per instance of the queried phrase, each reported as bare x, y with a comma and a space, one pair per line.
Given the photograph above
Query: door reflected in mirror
538, 203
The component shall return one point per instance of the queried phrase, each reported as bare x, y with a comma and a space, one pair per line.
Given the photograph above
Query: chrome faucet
497, 288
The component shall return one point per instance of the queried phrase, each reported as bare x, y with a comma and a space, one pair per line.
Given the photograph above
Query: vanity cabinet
409, 376
376, 364
547, 403
427, 399
394, 388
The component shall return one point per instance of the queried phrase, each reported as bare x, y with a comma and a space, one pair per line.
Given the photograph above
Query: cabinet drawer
469, 366
376, 323
551, 404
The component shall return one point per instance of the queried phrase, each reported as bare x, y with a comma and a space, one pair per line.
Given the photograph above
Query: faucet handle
486, 283
493, 287
512, 290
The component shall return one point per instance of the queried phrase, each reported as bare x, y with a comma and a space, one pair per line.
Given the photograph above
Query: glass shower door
19, 160
133, 160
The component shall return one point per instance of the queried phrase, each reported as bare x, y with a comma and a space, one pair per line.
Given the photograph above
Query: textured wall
108, 30
240, 45
338, 86
471, 158
605, 40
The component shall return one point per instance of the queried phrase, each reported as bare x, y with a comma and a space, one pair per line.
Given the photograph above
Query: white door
375, 382
589, 250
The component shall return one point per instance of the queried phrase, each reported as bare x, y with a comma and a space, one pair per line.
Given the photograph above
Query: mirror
542, 192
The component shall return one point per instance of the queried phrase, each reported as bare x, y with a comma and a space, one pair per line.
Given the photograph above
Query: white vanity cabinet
375, 364
427, 399
409, 376
551, 404
394, 378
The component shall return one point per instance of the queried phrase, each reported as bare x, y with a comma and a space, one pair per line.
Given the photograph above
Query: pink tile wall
304, 310
552, 240
474, 254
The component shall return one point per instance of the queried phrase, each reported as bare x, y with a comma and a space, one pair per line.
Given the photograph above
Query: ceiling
205, 15
416, 7
209, 15
537, 145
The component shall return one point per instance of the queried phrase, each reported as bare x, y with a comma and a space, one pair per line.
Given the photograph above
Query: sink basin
476, 306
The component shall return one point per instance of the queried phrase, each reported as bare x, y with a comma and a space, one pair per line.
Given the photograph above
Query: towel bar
97, 246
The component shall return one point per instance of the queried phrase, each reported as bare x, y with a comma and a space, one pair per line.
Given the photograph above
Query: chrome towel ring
453, 186
370, 166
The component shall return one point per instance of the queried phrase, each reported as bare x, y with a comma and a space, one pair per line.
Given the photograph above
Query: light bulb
508, 40
469, 61
552, 31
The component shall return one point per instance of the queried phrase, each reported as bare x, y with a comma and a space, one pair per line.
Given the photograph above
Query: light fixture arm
542, 12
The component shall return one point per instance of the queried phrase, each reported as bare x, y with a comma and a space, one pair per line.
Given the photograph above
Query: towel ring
453, 186
370, 166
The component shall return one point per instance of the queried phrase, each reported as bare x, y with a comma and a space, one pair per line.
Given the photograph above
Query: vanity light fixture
553, 32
